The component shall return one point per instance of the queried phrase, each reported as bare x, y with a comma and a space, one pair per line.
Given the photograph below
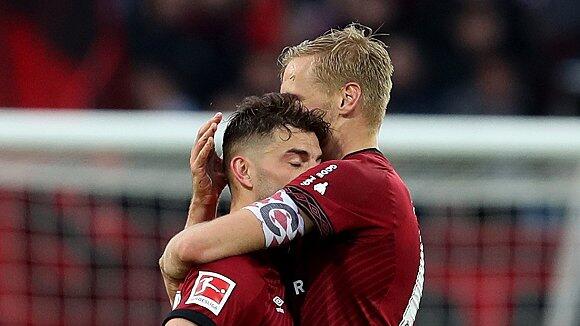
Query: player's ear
240, 168
351, 95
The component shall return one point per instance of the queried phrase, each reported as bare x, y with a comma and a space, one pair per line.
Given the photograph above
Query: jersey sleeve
214, 296
334, 195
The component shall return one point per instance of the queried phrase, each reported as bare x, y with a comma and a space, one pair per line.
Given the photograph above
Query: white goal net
89, 198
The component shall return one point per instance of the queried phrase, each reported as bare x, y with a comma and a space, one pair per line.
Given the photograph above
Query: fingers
204, 153
217, 118
171, 287
207, 130
202, 140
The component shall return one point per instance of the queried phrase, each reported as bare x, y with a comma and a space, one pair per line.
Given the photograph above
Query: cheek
286, 175
278, 175
314, 102
295, 173
284, 88
321, 103
308, 165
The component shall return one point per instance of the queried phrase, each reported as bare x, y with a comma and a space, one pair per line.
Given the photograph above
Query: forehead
297, 72
282, 140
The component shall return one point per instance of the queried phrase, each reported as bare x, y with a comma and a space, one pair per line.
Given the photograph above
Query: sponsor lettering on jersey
326, 170
320, 174
211, 290
308, 181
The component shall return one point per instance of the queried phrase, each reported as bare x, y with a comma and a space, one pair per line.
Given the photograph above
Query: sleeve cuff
309, 206
191, 315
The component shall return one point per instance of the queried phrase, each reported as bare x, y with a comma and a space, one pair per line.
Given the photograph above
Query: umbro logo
279, 303
321, 187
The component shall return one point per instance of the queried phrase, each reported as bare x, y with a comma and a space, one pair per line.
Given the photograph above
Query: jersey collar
370, 149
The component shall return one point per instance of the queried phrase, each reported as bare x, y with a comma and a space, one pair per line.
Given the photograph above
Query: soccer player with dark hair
360, 260
269, 141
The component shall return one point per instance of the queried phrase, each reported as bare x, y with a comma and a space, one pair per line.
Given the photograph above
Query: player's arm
208, 180
180, 322
321, 198
237, 233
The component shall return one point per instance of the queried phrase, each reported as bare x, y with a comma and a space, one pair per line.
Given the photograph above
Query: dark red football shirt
240, 290
366, 265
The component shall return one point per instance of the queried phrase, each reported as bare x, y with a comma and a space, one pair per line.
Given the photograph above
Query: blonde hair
352, 54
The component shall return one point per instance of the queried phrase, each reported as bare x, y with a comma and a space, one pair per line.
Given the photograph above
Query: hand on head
208, 177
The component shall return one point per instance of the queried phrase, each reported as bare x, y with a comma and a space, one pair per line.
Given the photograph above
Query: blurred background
466, 57
102, 99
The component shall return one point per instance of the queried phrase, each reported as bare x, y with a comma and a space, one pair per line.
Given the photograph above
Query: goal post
564, 299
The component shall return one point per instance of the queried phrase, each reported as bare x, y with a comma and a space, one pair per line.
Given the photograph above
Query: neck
240, 199
351, 139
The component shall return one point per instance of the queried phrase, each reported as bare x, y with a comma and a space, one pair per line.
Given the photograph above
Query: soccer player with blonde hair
359, 260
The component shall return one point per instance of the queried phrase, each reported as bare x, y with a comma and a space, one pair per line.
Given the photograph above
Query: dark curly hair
262, 115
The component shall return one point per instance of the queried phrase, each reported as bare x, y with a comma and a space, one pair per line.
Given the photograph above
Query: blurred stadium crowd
516, 57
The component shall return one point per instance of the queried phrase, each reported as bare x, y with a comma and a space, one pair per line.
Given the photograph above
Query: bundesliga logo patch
211, 291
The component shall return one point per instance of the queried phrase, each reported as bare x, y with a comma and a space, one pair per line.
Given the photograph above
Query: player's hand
171, 287
172, 269
207, 172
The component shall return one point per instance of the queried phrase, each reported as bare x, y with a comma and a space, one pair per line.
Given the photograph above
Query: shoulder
346, 194
357, 169
238, 278
226, 290
246, 271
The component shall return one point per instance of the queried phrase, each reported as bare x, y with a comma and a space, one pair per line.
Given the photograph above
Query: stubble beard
264, 187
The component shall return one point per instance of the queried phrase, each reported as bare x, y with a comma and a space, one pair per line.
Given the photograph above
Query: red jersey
239, 290
366, 265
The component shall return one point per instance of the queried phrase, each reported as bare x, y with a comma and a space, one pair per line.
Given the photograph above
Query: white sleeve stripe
413, 305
